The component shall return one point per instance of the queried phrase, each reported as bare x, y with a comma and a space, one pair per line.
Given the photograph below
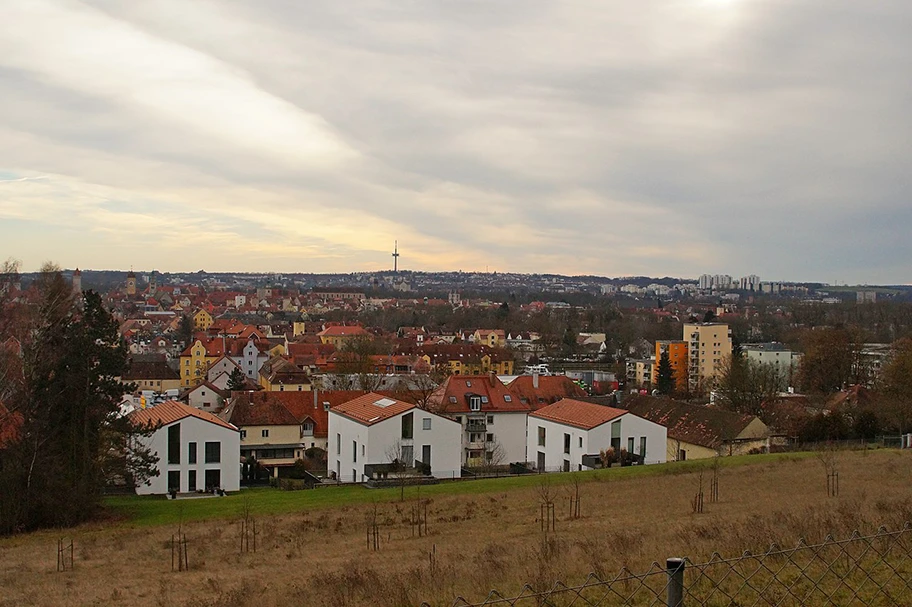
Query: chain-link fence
865, 570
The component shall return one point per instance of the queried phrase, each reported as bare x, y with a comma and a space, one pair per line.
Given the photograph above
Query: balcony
476, 425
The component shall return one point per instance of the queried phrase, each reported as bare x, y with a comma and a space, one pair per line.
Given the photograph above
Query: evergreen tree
236, 381
665, 381
60, 382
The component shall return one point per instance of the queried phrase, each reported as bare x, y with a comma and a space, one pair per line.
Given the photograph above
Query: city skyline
612, 139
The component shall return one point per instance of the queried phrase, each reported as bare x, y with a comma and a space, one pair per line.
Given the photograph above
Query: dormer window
468, 384
475, 403
453, 400
484, 399
508, 398
326, 405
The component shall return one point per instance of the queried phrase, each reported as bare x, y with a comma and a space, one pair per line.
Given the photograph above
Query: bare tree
401, 458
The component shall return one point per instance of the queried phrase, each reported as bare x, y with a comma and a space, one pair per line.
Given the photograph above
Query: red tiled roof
171, 411
551, 388
578, 414
453, 395
365, 409
342, 331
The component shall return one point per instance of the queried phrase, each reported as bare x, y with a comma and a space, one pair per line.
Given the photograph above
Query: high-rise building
705, 281
677, 356
708, 343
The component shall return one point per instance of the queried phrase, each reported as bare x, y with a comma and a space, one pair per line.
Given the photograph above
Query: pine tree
665, 382
236, 380
60, 381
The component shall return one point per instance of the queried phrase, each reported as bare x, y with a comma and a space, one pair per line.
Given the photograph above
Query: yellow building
677, 356
280, 375
339, 335
708, 343
195, 361
202, 320
493, 338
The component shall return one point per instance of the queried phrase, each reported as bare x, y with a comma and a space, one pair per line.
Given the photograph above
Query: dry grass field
489, 538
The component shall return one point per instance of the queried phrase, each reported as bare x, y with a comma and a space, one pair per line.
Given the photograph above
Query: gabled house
279, 375
493, 420
270, 433
570, 434
223, 365
196, 450
372, 432
153, 374
206, 396
696, 432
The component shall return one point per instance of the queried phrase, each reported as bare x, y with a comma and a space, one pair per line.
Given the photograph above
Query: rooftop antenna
396, 257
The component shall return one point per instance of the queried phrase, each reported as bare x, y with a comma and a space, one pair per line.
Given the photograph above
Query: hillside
312, 547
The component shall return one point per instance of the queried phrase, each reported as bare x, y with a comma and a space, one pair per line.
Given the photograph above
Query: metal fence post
675, 589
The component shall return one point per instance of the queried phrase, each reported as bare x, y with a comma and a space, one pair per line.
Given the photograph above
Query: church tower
77, 282
131, 284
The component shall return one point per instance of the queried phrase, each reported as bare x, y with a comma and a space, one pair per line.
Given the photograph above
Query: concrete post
675, 589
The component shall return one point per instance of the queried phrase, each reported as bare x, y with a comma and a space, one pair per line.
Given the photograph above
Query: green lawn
144, 511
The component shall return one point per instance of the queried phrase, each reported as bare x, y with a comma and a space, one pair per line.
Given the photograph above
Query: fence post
675, 589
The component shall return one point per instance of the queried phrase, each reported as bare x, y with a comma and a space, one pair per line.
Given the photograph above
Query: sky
608, 137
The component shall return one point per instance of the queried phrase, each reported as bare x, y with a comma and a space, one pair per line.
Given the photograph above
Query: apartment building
708, 343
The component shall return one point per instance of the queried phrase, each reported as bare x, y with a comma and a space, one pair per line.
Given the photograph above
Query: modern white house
569, 433
372, 431
196, 450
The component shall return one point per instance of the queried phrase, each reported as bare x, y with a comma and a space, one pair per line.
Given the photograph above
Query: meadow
312, 546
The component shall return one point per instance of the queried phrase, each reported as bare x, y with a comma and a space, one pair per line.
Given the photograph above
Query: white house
373, 429
561, 434
492, 418
196, 450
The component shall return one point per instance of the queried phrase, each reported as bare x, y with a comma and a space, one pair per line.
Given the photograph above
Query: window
453, 400
508, 398
484, 399
213, 452
174, 480
581, 442
307, 429
566, 445
355, 451
426, 423
243, 434
630, 445
468, 384
213, 478
475, 403
338, 444
407, 422
191, 456
489, 437
541, 436
326, 405
174, 444
490, 419
643, 446
458, 419
191, 479
265, 433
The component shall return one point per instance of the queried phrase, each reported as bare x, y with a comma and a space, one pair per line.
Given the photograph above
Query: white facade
224, 473
481, 431
251, 360
352, 444
561, 453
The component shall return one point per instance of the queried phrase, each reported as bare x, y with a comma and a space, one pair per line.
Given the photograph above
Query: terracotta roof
299, 405
694, 424
171, 411
551, 388
253, 409
366, 410
453, 395
342, 331
578, 413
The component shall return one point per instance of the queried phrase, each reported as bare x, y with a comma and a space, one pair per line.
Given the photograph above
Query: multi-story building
708, 343
677, 356
776, 354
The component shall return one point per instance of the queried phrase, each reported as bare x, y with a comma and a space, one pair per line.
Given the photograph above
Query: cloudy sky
584, 136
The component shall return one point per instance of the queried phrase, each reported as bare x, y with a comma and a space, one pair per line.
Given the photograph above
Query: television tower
396, 257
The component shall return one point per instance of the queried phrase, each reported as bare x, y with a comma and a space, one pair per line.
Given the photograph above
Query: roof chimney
535, 380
